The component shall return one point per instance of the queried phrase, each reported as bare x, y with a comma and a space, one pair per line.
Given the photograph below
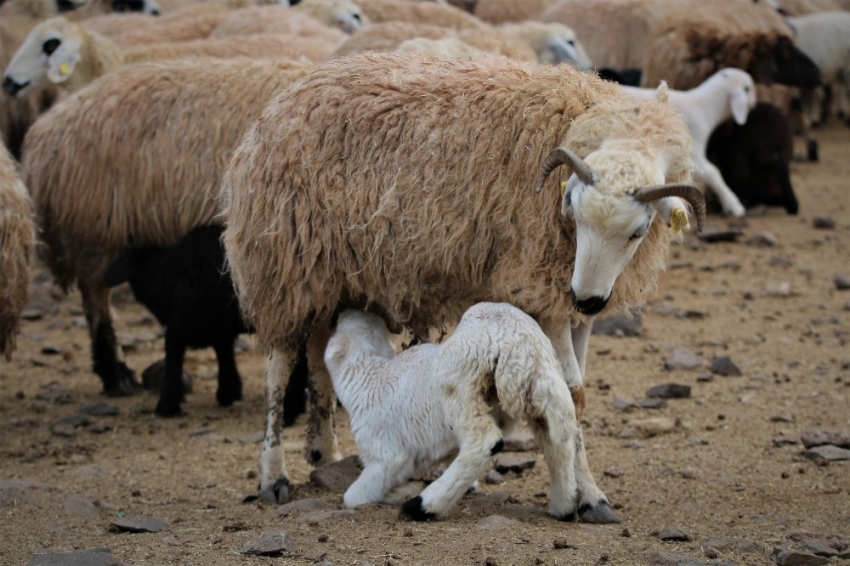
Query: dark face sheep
754, 158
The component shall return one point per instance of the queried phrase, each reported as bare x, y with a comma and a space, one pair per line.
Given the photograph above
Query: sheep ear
62, 62
739, 102
336, 350
674, 212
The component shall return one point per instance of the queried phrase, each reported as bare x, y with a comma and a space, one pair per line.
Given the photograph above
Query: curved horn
563, 156
688, 192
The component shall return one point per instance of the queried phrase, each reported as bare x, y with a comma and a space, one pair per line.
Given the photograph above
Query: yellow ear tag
678, 219
64, 69
563, 187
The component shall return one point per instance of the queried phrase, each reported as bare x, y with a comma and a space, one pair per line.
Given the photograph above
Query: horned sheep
126, 182
729, 93
409, 412
314, 198
16, 250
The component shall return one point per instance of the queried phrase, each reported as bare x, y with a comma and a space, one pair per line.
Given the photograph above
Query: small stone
827, 452
94, 557
669, 391
689, 473
734, 544
623, 404
823, 222
705, 378
835, 541
100, 410
714, 234
170, 541
780, 289
842, 282
140, 525
271, 544
51, 350
561, 543
619, 326
82, 505
492, 477
652, 404
762, 240
319, 516
682, 358
780, 441
494, 522
673, 534
724, 366
647, 428
255, 438
795, 558
303, 505
819, 437
338, 476
614, 472
517, 464
520, 441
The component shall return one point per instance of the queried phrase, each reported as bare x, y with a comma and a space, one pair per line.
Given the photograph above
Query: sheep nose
589, 306
11, 87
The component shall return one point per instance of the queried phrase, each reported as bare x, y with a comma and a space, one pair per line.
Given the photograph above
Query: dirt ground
774, 310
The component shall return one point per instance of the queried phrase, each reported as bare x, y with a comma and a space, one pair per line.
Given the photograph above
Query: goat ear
63, 61
120, 271
739, 101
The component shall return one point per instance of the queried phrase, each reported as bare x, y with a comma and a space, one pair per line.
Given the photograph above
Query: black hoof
124, 385
227, 397
600, 513
412, 511
278, 493
568, 518
168, 409
812, 150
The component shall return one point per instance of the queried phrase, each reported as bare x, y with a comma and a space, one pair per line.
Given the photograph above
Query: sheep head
357, 333
613, 196
49, 54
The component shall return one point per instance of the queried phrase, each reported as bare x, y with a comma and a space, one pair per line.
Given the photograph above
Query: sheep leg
322, 446
229, 381
580, 335
118, 379
172, 392
376, 480
592, 504
706, 172
274, 479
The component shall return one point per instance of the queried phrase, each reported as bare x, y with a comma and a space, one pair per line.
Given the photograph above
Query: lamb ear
62, 62
336, 350
739, 101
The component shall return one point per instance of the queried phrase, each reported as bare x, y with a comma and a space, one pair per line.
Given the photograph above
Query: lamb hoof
226, 397
277, 493
166, 408
412, 511
812, 150
600, 513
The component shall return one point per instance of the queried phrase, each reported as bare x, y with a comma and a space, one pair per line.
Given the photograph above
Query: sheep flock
406, 218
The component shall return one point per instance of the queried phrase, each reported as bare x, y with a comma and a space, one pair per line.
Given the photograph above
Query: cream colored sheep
419, 13
407, 188
448, 47
136, 159
553, 42
342, 14
16, 249
505, 11
274, 19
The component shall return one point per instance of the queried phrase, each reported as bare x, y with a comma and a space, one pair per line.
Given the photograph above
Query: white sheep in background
341, 14
727, 93
553, 42
413, 410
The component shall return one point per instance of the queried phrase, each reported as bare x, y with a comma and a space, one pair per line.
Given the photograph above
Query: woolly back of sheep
408, 181
16, 246
266, 45
419, 12
136, 157
276, 19
505, 11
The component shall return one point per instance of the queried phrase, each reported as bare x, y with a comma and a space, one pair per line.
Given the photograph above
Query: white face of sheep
610, 224
349, 17
564, 47
48, 55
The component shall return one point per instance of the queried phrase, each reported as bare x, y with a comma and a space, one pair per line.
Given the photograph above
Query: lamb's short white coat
413, 410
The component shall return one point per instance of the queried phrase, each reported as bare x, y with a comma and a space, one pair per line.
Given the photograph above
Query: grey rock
819, 437
140, 525
622, 325
99, 410
271, 544
724, 366
520, 441
614, 472
842, 282
154, 374
319, 516
54, 393
505, 464
83, 505
67, 426
816, 548
492, 477
88, 471
795, 558
665, 559
823, 222
338, 476
623, 404
94, 557
494, 522
652, 404
827, 452
835, 541
705, 377
673, 534
669, 391
714, 234
735, 544
682, 358
762, 240
780, 441
303, 505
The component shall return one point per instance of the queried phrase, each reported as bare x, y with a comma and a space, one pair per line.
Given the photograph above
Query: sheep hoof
277, 493
166, 408
125, 384
568, 518
226, 397
599, 512
812, 150
412, 511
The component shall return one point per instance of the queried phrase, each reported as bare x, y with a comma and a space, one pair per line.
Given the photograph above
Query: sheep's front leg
274, 479
172, 393
376, 480
706, 172
322, 446
593, 505
118, 379
229, 383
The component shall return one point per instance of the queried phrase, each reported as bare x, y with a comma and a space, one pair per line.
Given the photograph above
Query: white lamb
727, 93
413, 410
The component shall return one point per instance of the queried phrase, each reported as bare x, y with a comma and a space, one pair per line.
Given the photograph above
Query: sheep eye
571, 42
639, 233
356, 17
746, 89
51, 45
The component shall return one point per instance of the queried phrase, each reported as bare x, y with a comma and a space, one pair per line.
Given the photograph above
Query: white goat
727, 93
413, 410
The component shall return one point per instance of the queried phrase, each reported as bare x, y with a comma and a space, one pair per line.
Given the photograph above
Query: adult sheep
16, 248
373, 181
135, 159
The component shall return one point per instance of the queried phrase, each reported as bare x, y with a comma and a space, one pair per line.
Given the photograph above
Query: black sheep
754, 158
628, 77
189, 291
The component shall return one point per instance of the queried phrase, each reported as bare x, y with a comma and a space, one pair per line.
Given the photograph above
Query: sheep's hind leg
274, 479
593, 505
172, 392
322, 446
229, 382
118, 379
